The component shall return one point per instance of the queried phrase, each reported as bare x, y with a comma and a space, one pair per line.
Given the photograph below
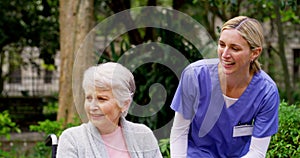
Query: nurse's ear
255, 52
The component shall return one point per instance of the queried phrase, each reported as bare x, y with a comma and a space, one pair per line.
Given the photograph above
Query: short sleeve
266, 121
186, 98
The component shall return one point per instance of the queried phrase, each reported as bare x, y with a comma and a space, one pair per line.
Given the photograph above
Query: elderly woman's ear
126, 105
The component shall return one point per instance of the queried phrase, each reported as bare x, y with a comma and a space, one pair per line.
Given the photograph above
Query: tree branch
121, 5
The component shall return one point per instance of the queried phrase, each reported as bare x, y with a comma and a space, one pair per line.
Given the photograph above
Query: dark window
48, 76
14, 71
296, 66
15, 76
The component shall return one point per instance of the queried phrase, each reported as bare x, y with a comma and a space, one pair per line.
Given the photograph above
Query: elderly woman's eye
101, 98
89, 98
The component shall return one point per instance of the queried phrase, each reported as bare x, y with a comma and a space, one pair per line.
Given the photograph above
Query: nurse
226, 107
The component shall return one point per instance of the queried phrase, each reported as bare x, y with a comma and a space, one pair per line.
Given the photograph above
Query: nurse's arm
258, 147
179, 136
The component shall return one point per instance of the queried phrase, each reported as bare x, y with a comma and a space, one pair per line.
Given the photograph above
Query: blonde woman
108, 89
226, 107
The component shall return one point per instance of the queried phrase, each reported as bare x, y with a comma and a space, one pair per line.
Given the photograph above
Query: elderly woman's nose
93, 105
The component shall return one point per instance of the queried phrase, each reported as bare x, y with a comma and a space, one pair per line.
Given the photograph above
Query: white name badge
242, 130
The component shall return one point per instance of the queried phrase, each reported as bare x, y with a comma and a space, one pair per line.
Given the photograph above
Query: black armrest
52, 140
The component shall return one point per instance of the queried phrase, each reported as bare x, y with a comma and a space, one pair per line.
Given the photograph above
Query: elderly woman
108, 89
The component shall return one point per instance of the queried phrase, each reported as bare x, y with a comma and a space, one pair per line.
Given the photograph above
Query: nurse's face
234, 52
102, 108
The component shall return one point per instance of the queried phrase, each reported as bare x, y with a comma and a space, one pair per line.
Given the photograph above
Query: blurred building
31, 77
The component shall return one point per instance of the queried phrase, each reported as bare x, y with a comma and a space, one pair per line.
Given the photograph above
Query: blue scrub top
199, 98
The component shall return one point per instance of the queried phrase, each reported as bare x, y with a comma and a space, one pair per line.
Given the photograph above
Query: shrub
53, 127
7, 125
164, 145
286, 143
40, 150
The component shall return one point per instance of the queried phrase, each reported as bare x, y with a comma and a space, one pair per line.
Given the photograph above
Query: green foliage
5, 154
51, 108
31, 23
48, 127
286, 143
151, 73
28, 23
40, 150
7, 125
164, 145
53, 127
11, 154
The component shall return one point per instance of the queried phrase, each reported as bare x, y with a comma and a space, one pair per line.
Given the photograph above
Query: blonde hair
251, 30
112, 76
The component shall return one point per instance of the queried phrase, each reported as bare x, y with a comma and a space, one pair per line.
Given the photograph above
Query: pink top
115, 144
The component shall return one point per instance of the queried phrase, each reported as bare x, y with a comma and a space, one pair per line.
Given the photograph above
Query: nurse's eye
235, 49
222, 45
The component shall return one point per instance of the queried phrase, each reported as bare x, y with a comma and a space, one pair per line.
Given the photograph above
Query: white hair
112, 76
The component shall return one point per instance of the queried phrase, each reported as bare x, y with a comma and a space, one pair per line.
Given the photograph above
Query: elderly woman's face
102, 108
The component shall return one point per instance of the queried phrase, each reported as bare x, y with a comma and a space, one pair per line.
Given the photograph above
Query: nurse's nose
226, 53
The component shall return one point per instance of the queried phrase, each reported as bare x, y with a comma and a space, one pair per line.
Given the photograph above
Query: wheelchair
52, 141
